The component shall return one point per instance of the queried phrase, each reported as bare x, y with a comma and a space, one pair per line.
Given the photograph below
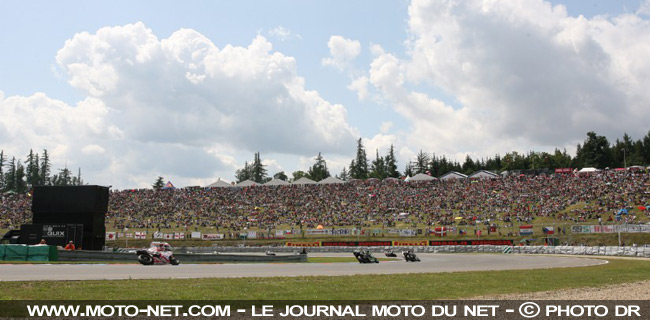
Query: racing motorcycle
158, 253
390, 254
410, 256
364, 256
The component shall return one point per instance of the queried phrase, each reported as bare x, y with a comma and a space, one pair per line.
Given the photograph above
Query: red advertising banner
356, 243
563, 170
435, 243
303, 244
410, 243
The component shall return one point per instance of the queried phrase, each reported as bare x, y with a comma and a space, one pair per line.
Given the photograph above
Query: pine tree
378, 167
10, 177
64, 178
421, 162
408, 171
244, 173
391, 164
344, 175
2, 164
359, 166
32, 169
258, 170
44, 171
21, 185
159, 184
319, 170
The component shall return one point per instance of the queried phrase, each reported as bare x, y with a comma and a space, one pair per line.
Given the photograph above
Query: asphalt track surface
431, 263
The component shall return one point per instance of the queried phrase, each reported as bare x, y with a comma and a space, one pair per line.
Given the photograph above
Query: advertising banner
356, 243
212, 236
626, 228
407, 243
408, 233
435, 243
318, 231
196, 235
303, 244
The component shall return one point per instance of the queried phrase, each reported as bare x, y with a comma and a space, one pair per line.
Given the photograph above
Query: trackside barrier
21, 252
182, 255
567, 250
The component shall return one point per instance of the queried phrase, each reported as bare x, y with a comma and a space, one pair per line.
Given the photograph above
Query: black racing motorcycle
410, 256
364, 256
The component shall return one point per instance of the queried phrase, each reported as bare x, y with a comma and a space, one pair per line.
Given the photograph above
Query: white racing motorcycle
159, 253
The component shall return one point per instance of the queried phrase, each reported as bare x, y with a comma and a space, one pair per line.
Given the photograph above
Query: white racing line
431, 263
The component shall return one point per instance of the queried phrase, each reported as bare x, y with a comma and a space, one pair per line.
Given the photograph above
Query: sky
190, 90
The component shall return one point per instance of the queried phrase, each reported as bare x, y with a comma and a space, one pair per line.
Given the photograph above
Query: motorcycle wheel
145, 260
174, 262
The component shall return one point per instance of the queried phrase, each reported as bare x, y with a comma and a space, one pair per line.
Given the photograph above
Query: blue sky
401, 76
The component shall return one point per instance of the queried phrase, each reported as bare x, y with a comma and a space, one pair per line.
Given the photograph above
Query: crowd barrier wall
21, 252
182, 255
566, 250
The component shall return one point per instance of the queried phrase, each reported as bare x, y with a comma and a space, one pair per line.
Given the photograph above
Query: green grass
359, 287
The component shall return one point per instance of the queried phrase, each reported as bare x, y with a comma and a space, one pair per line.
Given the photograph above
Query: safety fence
567, 250
21, 252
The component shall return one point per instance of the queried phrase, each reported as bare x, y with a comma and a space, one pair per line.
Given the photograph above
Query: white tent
219, 184
247, 183
329, 180
304, 180
483, 174
391, 179
587, 170
453, 175
422, 177
276, 182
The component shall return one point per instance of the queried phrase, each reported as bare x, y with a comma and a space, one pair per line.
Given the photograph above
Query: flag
440, 231
110, 236
548, 230
525, 230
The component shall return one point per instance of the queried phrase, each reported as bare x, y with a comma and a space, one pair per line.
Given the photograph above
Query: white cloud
184, 88
93, 149
283, 34
524, 74
360, 86
385, 127
179, 107
342, 52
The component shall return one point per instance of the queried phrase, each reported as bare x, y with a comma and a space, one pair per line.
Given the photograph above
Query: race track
430, 263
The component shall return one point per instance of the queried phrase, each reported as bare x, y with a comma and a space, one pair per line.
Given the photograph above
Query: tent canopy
304, 180
422, 177
247, 183
330, 180
219, 184
276, 182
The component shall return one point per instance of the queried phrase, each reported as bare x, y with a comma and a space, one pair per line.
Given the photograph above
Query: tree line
19, 176
596, 151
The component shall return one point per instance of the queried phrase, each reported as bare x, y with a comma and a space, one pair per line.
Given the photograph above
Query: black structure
61, 209
53, 234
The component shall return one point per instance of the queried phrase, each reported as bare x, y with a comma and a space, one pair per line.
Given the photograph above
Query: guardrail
84, 255
570, 250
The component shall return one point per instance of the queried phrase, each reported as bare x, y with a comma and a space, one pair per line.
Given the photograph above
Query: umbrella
459, 218
642, 208
319, 227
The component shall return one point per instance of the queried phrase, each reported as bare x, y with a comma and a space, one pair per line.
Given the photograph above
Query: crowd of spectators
368, 203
